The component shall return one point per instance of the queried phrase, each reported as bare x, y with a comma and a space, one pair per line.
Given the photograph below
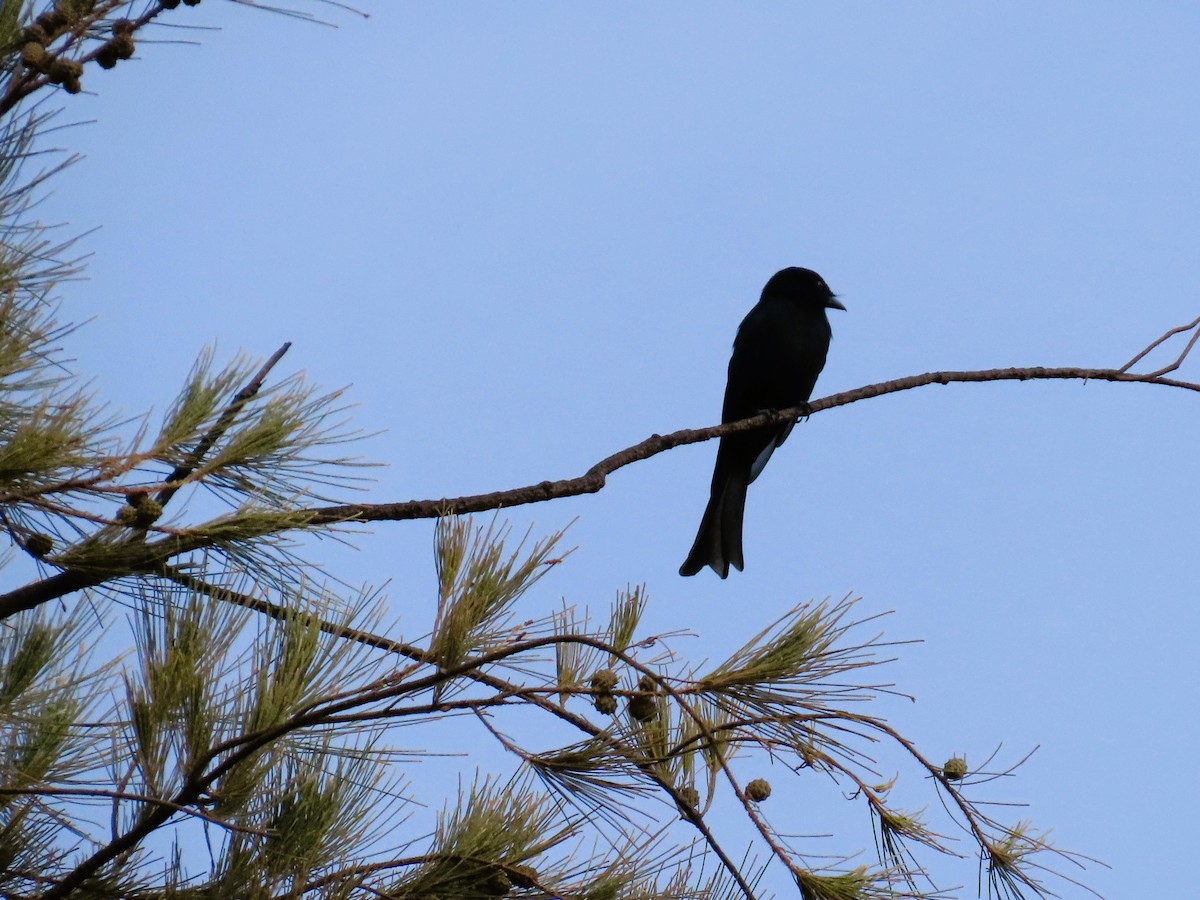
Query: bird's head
801, 286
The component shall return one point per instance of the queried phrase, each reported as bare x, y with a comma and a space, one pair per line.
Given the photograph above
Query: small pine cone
604, 680
106, 56
955, 768
643, 707
758, 790
139, 511
72, 85
606, 704
38, 544
122, 45
690, 796
34, 55
122, 26
36, 34
148, 511
646, 683
62, 70
52, 22
523, 876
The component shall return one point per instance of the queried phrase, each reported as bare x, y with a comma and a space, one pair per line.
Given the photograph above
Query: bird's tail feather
733, 507
718, 542
706, 549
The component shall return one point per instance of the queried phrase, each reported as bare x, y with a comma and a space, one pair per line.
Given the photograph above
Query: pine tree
234, 731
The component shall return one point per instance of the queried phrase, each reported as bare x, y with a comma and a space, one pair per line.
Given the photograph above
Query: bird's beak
834, 303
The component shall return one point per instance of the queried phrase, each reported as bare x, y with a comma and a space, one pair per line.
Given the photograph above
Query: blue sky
524, 234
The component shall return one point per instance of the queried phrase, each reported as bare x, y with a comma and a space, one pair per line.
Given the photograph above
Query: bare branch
1159, 340
594, 479
154, 554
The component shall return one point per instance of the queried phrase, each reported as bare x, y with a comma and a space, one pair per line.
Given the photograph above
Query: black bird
777, 355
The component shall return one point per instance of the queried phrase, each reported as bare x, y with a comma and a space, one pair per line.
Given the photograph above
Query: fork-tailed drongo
777, 355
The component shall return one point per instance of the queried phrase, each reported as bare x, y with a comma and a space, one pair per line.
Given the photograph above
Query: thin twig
236, 405
1159, 340
1182, 356
168, 805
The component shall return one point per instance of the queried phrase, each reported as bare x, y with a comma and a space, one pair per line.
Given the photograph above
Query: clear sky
525, 233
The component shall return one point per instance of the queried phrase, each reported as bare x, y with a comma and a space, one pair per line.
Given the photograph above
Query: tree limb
155, 553
594, 478
183, 471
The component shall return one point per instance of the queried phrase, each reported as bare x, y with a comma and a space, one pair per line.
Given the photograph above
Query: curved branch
1167, 335
594, 478
156, 553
